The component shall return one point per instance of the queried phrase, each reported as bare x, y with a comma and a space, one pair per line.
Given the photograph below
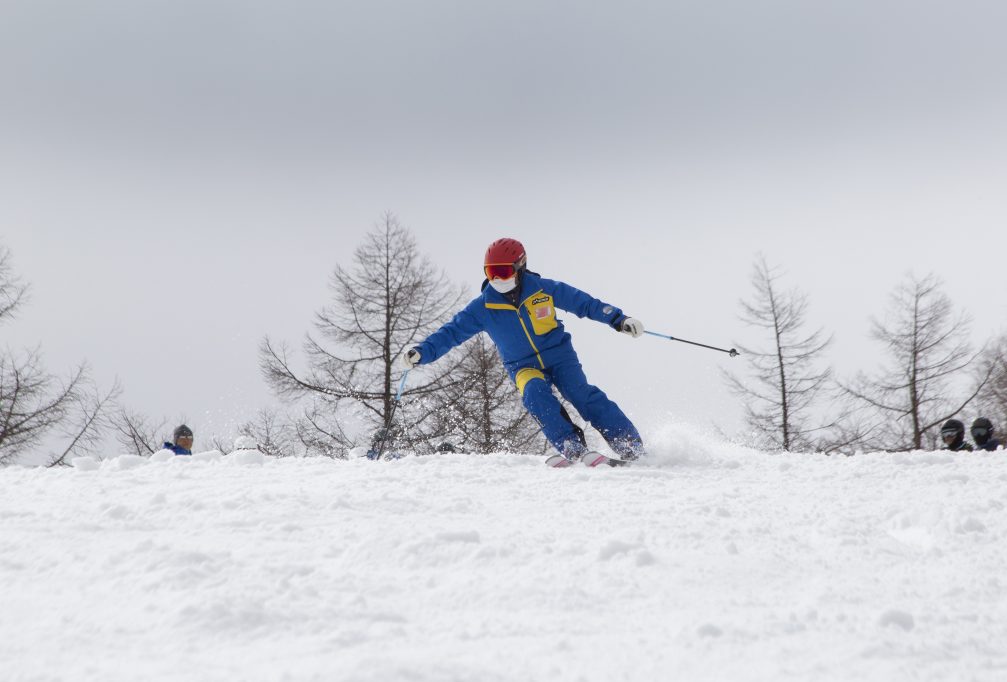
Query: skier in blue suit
517, 308
183, 441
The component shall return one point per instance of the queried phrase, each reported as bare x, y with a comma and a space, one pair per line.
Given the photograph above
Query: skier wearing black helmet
953, 435
982, 434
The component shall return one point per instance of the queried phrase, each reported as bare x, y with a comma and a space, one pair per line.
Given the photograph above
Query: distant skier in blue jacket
517, 308
183, 441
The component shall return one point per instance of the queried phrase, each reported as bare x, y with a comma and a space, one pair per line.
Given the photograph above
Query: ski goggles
980, 431
949, 433
499, 271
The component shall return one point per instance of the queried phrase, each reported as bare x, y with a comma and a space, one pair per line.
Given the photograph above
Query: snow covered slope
709, 562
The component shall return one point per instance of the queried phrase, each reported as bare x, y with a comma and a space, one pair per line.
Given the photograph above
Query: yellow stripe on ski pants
525, 375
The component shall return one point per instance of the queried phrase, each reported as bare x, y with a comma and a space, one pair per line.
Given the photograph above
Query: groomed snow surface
707, 562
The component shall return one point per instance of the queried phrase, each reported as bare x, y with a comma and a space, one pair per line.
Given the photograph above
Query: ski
558, 462
591, 459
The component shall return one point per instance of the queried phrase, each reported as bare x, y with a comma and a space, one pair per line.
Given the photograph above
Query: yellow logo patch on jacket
542, 313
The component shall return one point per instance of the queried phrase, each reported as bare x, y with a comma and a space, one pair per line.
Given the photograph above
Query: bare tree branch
927, 346
390, 299
785, 380
136, 433
992, 399
85, 430
13, 293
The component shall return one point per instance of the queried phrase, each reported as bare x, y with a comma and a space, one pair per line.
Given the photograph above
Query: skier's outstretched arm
462, 327
582, 304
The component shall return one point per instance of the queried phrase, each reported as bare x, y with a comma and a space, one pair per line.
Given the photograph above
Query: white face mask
504, 285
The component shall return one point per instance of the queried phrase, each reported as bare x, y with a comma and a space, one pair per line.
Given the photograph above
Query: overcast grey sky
179, 178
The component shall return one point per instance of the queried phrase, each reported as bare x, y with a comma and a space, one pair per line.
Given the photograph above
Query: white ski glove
411, 358
631, 326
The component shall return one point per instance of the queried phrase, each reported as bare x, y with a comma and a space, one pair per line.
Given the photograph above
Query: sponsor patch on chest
542, 312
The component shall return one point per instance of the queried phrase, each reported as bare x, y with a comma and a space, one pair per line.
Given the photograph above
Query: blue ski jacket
526, 335
177, 449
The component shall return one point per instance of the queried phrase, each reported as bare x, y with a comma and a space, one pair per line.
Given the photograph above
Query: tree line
335, 393
338, 386
928, 372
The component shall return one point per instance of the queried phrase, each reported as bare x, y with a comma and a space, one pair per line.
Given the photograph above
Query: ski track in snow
707, 562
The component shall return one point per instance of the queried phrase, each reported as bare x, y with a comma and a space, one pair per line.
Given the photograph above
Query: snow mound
124, 462
245, 443
85, 464
247, 457
208, 456
163, 456
706, 561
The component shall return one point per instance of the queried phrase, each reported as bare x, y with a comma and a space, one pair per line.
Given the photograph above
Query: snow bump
85, 464
458, 536
709, 630
897, 618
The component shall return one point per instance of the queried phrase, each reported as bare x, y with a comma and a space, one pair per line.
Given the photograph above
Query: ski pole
402, 384
731, 352
391, 414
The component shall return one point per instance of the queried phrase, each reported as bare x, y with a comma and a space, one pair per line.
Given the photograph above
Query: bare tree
32, 401
13, 292
482, 412
137, 433
222, 444
36, 406
786, 377
275, 435
82, 430
992, 400
928, 348
389, 300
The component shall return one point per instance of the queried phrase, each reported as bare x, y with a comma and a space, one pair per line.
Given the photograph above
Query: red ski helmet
504, 258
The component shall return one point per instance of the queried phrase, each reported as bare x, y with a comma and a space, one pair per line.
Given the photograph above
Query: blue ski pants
594, 406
